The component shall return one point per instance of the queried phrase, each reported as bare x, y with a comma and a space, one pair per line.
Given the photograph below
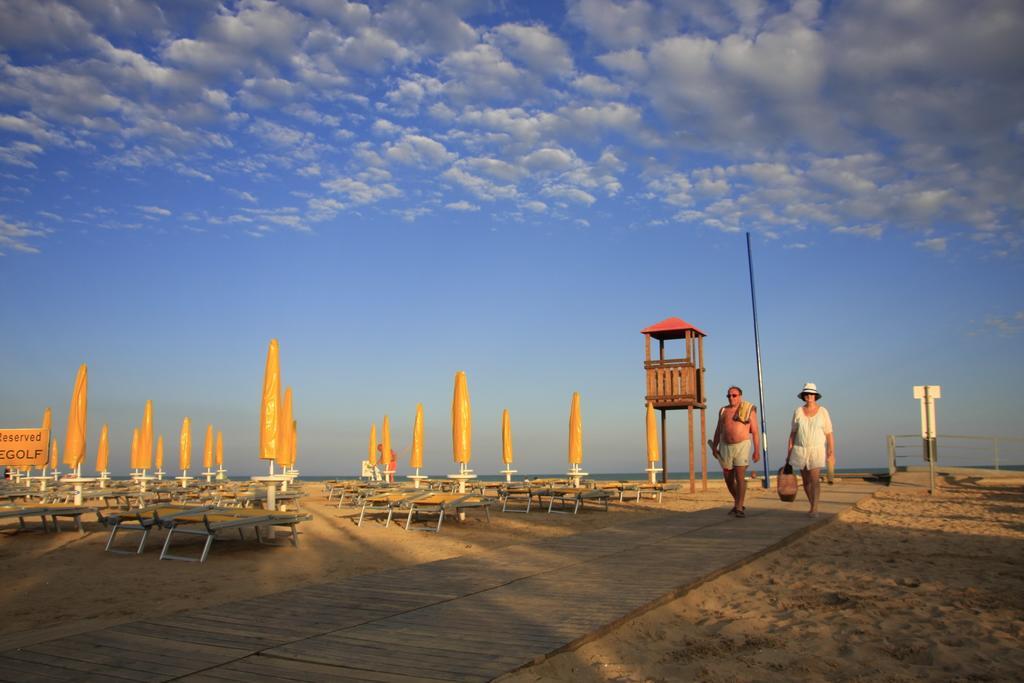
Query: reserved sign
24, 447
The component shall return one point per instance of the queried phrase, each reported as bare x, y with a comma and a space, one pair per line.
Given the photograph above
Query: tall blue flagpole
760, 381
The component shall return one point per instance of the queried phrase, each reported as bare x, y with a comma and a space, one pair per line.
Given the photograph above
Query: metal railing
960, 452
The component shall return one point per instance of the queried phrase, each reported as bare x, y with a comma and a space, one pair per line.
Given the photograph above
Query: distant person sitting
389, 467
734, 436
811, 443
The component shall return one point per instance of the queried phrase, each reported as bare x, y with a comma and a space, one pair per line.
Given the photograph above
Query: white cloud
462, 205
15, 235
190, 172
535, 46
936, 244
871, 231
418, 150
549, 159
18, 152
573, 194
598, 86
480, 187
614, 24
244, 196
154, 210
483, 73
323, 209
360, 192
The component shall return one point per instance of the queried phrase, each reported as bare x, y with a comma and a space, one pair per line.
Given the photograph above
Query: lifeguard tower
678, 384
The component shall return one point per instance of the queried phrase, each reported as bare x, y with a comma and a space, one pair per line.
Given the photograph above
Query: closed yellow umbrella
103, 450
54, 455
506, 438
208, 448
575, 431
220, 449
385, 446
295, 442
462, 429
416, 457
46, 425
146, 438
270, 410
74, 443
284, 456
373, 446
652, 435
185, 445
160, 453
135, 449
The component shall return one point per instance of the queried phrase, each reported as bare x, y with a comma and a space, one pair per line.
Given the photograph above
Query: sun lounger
521, 492
141, 520
388, 502
655, 490
44, 510
578, 497
441, 503
206, 524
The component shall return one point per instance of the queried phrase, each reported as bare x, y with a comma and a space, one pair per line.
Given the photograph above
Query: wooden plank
248, 644
145, 646
376, 658
127, 659
75, 667
436, 641
273, 668
17, 671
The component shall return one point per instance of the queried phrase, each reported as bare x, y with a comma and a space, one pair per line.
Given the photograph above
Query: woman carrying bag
811, 443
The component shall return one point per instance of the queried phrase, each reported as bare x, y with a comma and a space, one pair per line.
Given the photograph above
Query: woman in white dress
811, 442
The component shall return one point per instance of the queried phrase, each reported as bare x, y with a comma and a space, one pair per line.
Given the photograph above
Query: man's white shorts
735, 454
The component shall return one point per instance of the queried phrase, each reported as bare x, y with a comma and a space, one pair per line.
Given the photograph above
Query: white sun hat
809, 388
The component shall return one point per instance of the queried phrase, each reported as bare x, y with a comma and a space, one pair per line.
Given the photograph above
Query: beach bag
786, 485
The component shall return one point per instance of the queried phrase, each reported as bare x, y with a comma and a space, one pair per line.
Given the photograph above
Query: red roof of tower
671, 328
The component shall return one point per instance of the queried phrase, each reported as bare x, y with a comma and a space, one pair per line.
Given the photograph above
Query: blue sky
397, 191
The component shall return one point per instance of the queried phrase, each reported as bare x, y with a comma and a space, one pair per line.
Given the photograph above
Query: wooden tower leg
703, 450
689, 418
664, 451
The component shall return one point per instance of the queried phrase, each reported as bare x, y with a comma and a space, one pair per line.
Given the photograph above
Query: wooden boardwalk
462, 619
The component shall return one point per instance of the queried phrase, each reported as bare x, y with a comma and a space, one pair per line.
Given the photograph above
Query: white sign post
928, 394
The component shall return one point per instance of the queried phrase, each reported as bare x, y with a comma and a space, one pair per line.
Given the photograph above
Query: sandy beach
901, 587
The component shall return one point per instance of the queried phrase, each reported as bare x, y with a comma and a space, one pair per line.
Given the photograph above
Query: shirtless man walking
737, 428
